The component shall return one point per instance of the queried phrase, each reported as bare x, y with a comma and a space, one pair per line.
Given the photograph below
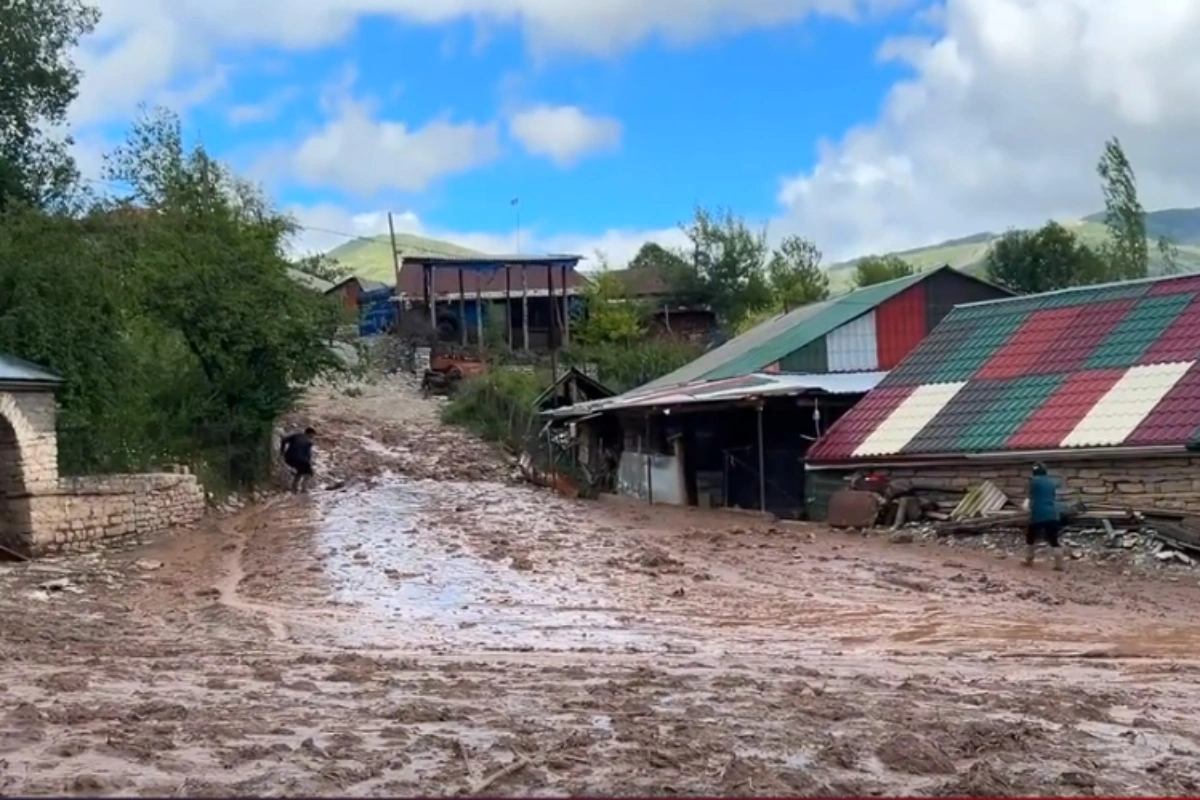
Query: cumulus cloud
1003, 120
564, 134
324, 227
357, 152
144, 47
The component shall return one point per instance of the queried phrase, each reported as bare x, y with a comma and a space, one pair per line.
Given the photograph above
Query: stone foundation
86, 512
1163, 482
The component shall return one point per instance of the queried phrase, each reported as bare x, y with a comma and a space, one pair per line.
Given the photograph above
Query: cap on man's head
310, 432
1039, 468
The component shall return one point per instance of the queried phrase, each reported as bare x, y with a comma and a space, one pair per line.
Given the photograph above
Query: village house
1100, 383
669, 319
732, 427
350, 290
530, 300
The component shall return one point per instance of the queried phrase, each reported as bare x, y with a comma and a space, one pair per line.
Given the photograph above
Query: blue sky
869, 125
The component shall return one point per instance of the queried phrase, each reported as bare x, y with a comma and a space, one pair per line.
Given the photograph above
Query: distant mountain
372, 258
1181, 225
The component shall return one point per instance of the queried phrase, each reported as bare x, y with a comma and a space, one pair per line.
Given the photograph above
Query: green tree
1050, 258
322, 266
212, 271
653, 256
612, 316
870, 270
723, 268
38, 82
795, 275
1127, 250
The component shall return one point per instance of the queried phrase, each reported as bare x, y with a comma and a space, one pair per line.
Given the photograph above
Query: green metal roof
17, 371
764, 344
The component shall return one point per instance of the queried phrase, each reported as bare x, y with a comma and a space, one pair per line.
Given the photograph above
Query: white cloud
324, 227
358, 153
264, 110
144, 47
564, 134
1003, 121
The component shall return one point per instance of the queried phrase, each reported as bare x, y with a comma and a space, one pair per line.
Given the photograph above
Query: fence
224, 455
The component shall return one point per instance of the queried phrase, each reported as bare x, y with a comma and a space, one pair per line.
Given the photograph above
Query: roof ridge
1080, 289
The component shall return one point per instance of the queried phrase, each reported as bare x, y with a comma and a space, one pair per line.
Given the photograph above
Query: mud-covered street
433, 627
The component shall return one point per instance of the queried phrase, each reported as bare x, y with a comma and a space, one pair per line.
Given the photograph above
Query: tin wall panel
853, 347
900, 325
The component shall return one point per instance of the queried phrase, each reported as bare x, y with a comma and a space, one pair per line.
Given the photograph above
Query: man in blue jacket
1043, 516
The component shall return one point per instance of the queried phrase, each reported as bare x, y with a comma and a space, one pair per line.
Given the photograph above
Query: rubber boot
1058, 560
1029, 551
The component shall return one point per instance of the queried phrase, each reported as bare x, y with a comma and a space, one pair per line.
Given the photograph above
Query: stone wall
86, 512
1171, 482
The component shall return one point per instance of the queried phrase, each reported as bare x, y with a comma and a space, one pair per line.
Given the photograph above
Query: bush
622, 367
498, 405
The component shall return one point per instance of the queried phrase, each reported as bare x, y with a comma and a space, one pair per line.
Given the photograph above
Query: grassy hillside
372, 258
1182, 225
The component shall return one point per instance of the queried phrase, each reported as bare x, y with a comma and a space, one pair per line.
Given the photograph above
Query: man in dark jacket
1043, 516
296, 450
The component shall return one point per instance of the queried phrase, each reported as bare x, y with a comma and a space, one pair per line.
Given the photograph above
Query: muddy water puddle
414, 579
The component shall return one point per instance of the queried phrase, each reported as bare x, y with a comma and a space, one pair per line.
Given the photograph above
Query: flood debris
982, 515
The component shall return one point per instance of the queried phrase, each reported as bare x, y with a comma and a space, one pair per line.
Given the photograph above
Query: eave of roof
699, 393
21, 374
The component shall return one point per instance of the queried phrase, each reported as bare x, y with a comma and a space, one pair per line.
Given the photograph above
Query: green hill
372, 258
1181, 225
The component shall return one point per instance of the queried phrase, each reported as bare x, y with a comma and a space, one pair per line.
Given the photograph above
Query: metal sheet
853, 347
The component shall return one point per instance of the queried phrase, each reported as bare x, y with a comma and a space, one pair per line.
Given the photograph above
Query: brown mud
429, 627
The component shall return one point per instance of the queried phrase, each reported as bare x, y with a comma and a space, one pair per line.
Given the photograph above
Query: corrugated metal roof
729, 389
1116, 365
16, 370
767, 343
311, 281
491, 261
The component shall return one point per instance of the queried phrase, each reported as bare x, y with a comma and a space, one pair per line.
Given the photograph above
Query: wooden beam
478, 311
508, 304
462, 307
525, 306
566, 309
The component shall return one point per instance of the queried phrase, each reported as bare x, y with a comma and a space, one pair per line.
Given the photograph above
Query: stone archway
15, 527
28, 462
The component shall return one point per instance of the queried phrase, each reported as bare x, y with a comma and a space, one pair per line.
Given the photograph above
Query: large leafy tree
1044, 260
723, 267
795, 275
38, 81
870, 270
208, 254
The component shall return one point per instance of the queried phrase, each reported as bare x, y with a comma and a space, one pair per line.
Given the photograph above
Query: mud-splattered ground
408, 634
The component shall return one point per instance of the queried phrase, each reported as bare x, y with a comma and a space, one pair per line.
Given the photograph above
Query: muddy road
432, 628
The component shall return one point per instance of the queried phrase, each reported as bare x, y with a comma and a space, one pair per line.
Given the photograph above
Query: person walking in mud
1043, 516
296, 450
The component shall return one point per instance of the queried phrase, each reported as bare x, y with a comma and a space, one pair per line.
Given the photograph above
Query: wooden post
431, 282
462, 307
646, 451
552, 305
762, 464
566, 309
508, 304
479, 310
525, 306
